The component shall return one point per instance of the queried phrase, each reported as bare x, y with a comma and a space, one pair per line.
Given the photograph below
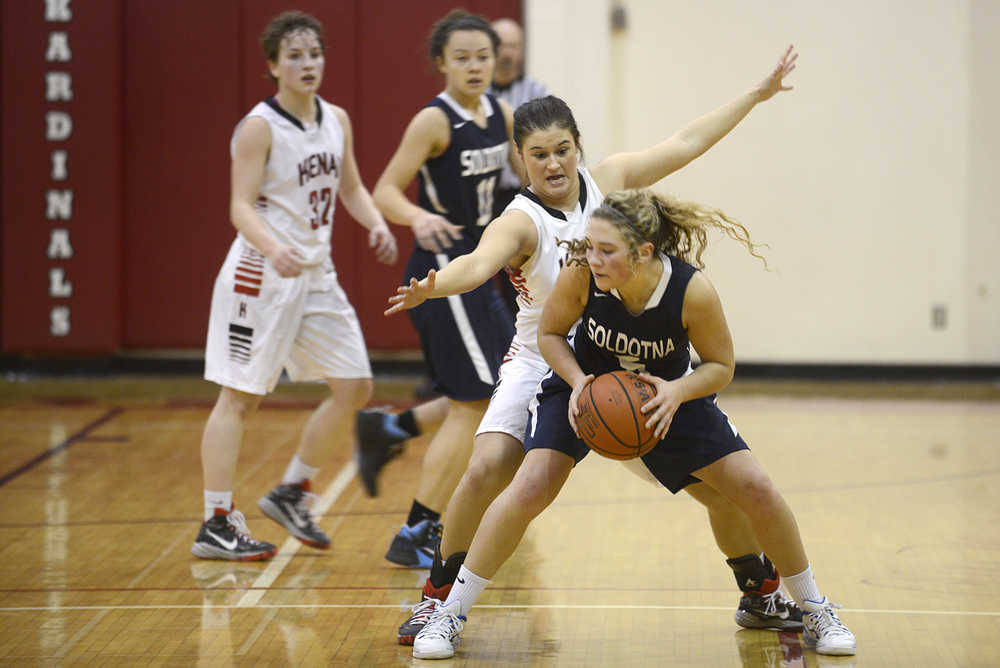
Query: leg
381, 435
762, 604
330, 426
535, 485
494, 462
225, 535
223, 436
740, 478
443, 464
731, 528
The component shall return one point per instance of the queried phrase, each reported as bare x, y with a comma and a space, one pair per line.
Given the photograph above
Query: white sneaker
441, 634
824, 631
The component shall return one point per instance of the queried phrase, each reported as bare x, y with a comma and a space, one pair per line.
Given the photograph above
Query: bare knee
532, 492
235, 403
489, 472
351, 394
757, 495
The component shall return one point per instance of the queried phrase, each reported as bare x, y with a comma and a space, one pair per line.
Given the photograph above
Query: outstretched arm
509, 236
644, 168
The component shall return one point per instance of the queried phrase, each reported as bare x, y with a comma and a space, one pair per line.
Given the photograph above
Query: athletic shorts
520, 373
464, 337
261, 323
699, 434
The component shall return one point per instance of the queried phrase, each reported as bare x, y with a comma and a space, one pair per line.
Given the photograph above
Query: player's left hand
384, 243
660, 409
774, 82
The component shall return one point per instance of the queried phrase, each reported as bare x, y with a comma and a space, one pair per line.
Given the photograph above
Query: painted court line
292, 545
376, 606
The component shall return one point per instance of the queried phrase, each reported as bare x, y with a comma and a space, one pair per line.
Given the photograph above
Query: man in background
510, 85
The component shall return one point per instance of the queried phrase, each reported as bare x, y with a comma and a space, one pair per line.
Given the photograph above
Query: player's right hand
287, 261
434, 232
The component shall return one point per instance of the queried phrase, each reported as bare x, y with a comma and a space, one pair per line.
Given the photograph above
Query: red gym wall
116, 122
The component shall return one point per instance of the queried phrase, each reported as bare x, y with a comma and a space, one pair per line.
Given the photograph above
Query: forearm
360, 204
559, 356
464, 273
708, 378
703, 132
248, 223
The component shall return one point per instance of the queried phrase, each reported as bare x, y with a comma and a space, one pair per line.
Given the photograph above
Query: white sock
802, 586
298, 471
467, 588
213, 500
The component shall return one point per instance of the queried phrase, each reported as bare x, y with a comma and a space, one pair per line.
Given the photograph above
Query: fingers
428, 243
431, 279
455, 231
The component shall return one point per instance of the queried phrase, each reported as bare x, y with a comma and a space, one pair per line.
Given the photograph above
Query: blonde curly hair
673, 227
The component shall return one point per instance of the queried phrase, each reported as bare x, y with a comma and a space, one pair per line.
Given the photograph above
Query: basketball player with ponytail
633, 274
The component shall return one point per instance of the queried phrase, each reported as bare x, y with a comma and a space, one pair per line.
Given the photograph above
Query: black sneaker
378, 442
226, 536
414, 546
768, 611
288, 505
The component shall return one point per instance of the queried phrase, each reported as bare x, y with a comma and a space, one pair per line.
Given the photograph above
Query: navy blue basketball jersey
608, 337
459, 184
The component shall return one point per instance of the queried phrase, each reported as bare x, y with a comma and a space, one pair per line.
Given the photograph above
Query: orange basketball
610, 421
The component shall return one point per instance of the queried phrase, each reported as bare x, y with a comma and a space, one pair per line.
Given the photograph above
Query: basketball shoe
414, 546
824, 631
226, 536
431, 597
379, 440
768, 611
288, 505
442, 633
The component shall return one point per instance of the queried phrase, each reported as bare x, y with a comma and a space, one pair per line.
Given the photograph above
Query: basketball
609, 420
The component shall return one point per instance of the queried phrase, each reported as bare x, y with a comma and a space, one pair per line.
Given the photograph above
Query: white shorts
520, 373
261, 323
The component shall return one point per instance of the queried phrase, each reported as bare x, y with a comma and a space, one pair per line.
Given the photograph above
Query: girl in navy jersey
277, 304
631, 276
456, 147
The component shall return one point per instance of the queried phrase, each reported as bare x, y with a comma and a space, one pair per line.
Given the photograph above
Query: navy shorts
464, 337
699, 434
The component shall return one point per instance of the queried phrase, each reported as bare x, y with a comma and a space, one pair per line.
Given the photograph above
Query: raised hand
414, 294
774, 82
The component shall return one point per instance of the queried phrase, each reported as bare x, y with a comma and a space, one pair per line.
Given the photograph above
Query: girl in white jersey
524, 241
276, 303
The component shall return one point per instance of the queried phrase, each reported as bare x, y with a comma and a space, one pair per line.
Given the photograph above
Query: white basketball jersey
535, 279
299, 191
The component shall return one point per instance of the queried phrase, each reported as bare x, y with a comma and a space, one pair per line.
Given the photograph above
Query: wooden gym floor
896, 489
